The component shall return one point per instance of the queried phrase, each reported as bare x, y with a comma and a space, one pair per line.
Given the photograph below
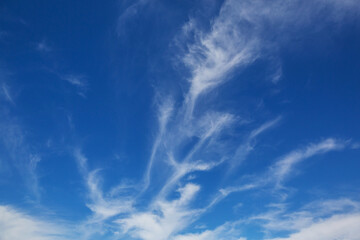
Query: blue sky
180, 120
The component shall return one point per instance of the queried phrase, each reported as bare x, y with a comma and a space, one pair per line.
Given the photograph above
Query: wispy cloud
14, 225
43, 46
245, 148
278, 218
128, 14
216, 53
33, 163
245, 31
19, 152
323, 219
282, 168
309, 222
102, 207
6, 93
6, 89
227, 231
181, 170
164, 219
279, 171
77, 81
191, 137
336, 227
187, 136
164, 113
206, 133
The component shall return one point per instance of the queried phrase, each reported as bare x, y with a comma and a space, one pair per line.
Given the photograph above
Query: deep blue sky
180, 120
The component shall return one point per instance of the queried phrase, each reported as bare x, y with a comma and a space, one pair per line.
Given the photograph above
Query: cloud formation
6, 93
15, 225
193, 139
187, 140
336, 227
164, 219
102, 207
245, 31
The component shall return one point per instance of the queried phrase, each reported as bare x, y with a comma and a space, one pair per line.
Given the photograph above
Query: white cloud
15, 225
245, 31
6, 93
227, 231
188, 141
164, 219
33, 163
282, 168
328, 219
279, 219
277, 75
43, 46
334, 228
105, 207
210, 126
181, 170
235, 39
323, 207
244, 149
128, 14
215, 54
6, 90
102, 206
20, 153
77, 81
164, 113
264, 127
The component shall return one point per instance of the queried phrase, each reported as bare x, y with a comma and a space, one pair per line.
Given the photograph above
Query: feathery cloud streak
240, 34
282, 168
102, 207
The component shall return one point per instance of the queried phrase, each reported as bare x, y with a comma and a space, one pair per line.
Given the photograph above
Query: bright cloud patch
16, 225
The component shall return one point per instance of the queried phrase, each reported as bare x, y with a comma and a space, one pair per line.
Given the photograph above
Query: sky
180, 120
